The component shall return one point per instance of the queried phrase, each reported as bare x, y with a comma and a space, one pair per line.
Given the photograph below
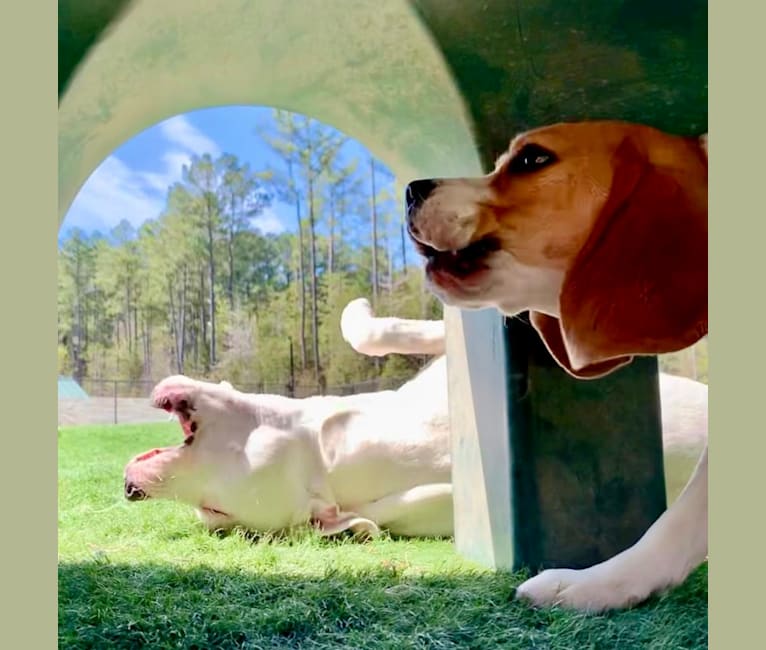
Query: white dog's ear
343, 455
332, 439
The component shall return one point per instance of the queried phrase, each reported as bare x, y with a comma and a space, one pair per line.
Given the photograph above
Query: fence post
291, 385
115, 400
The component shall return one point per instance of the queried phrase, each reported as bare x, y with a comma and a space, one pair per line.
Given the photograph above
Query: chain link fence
120, 401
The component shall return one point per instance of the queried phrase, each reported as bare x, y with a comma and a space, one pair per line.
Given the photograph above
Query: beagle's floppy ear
639, 284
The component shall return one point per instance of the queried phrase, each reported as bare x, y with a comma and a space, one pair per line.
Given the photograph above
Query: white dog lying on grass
361, 462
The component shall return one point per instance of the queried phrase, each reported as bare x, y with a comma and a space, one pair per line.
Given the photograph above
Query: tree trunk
314, 314
374, 221
144, 349
301, 274
182, 319
211, 280
88, 315
230, 250
135, 327
331, 244
126, 317
78, 317
202, 318
174, 330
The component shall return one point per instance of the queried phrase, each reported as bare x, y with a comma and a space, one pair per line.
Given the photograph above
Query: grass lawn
147, 575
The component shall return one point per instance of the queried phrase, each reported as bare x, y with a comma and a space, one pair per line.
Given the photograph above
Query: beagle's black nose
417, 192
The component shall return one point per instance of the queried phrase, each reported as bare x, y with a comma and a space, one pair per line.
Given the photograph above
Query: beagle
599, 229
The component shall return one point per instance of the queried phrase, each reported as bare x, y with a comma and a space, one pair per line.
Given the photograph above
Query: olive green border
28, 261
737, 233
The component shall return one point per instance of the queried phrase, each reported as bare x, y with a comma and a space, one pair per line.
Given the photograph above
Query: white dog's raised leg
673, 547
376, 337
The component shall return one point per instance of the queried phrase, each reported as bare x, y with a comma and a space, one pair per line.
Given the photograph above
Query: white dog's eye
529, 158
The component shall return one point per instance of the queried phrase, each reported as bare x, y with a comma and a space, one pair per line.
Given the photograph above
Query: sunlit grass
135, 575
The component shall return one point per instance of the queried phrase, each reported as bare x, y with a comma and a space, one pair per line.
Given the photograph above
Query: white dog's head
236, 466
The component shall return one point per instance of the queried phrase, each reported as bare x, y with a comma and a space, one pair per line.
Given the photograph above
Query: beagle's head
598, 228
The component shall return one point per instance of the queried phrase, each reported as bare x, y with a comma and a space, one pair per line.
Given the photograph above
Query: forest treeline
200, 290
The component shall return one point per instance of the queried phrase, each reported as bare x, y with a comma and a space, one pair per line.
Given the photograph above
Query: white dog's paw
358, 308
330, 521
192, 401
178, 395
588, 590
356, 325
215, 521
175, 393
181, 395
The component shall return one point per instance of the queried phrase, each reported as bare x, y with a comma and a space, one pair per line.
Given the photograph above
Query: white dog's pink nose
133, 492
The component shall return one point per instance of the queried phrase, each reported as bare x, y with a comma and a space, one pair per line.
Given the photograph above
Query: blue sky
132, 182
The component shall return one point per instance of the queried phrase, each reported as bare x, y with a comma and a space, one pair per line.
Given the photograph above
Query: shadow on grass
106, 605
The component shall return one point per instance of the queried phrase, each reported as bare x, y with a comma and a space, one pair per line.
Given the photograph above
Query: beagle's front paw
588, 590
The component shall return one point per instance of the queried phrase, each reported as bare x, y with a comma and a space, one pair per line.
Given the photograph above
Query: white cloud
180, 132
268, 222
187, 141
174, 162
112, 193
116, 191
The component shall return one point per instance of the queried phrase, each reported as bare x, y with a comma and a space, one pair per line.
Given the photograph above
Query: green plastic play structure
548, 471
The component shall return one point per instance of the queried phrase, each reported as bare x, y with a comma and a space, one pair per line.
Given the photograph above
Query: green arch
370, 69
433, 87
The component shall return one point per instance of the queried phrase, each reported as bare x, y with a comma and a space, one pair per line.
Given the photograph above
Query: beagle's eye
530, 158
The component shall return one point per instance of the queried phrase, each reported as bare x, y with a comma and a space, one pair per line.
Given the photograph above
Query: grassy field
146, 575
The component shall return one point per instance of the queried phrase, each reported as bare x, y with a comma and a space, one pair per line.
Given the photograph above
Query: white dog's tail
376, 337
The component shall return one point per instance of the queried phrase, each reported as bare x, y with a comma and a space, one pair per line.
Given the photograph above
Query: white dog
360, 463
